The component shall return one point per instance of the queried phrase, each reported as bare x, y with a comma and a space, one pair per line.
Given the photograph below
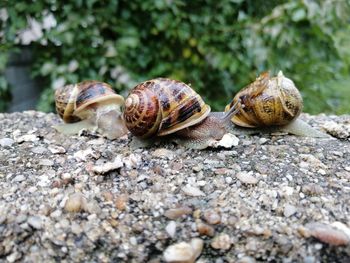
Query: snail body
90, 105
163, 106
272, 104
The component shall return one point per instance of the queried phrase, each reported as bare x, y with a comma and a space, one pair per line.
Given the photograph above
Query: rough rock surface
276, 198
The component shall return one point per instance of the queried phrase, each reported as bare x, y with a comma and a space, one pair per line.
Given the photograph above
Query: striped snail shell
162, 106
78, 101
268, 102
90, 105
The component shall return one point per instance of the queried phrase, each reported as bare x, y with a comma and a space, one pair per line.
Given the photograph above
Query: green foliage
217, 46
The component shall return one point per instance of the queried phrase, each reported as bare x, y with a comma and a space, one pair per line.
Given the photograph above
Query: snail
90, 105
272, 104
161, 106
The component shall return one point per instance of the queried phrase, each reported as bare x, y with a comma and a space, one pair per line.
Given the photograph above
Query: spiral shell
162, 106
78, 101
268, 102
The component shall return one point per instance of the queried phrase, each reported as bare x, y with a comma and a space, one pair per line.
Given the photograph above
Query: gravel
269, 197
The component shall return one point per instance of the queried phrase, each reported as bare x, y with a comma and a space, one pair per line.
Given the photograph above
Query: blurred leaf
217, 46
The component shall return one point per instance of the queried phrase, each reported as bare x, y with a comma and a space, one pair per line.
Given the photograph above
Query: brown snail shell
268, 102
163, 106
92, 105
77, 101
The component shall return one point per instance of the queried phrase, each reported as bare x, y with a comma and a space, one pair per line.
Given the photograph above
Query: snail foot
301, 128
137, 143
195, 144
75, 128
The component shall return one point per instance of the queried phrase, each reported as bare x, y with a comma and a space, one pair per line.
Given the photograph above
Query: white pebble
287, 191
132, 161
321, 171
263, 140
46, 162
56, 149
66, 176
247, 177
163, 153
184, 252
106, 167
19, 178
34, 221
289, 210
289, 177
192, 191
82, 155
222, 241
27, 138
228, 180
171, 228
133, 241
228, 141
6, 142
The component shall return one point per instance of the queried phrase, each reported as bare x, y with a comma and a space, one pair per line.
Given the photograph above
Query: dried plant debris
268, 198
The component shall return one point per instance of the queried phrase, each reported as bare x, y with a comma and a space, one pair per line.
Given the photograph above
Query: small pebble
6, 142
192, 191
205, 229
92, 207
13, 257
35, 222
222, 171
309, 259
171, 229
228, 141
184, 252
263, 140
121, 202
55, 149
132, 161
19, 178
75, 203
108, 196
221, 241
289, 210
83, 155
39, 150
246, 177
175, 213
328, 234
312, 189
163, 153
106, 167
228, 180
335, 129
46, 162
197, 168
312, 161
212, 217
66, 176
27, 138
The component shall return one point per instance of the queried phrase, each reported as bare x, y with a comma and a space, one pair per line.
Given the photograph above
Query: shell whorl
268, 102
65, 98
162, 106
